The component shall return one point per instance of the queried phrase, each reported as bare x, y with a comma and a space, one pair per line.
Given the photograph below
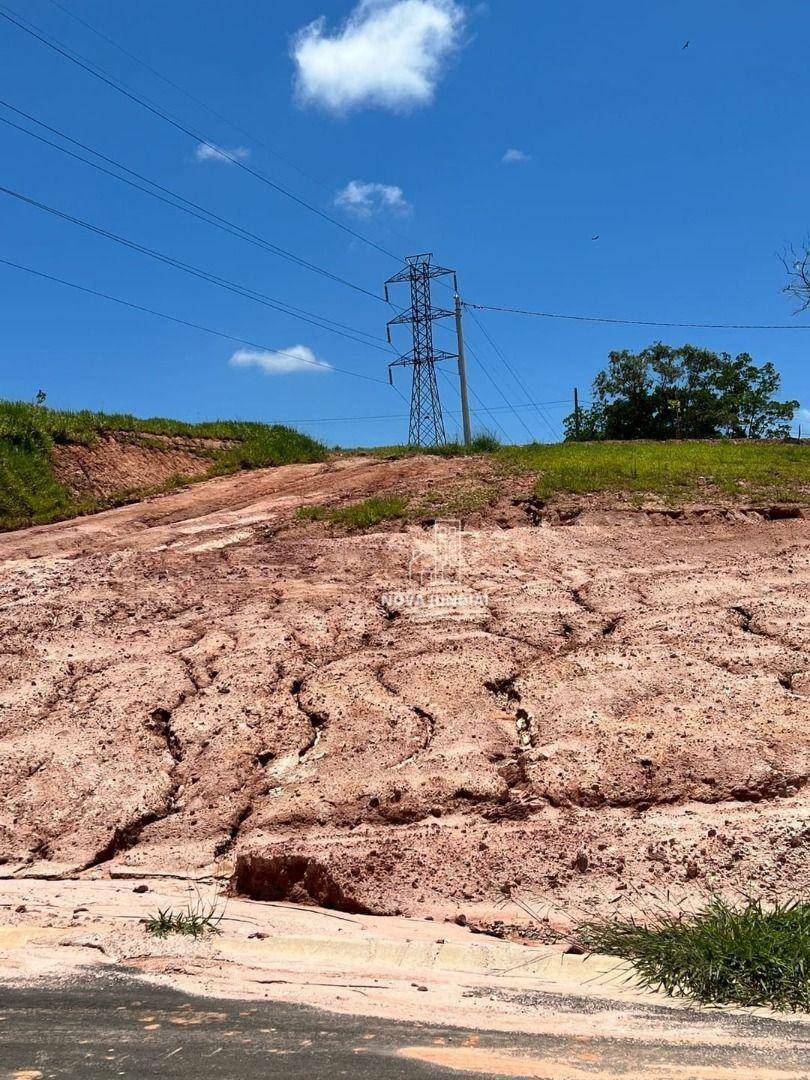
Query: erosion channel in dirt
592, 709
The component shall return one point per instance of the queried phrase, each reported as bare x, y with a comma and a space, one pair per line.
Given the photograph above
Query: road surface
114, 1026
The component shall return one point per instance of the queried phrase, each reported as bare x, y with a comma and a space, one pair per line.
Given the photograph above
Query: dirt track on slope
591, 710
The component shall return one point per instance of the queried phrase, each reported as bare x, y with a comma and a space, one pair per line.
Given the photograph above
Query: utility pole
576, 414
462, 375
426, 427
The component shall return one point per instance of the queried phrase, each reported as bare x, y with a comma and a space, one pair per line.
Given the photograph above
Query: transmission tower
426, 426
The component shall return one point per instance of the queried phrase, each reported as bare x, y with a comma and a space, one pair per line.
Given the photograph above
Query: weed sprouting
197, 919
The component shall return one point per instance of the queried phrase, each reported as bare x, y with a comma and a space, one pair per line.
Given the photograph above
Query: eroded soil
591, 711
114, 465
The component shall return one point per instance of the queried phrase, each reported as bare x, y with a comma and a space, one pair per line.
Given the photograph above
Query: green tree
665, 392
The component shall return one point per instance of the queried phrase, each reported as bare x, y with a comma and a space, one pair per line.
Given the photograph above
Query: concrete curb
485, 959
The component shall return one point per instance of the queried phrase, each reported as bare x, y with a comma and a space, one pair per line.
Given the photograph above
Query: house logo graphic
435, 573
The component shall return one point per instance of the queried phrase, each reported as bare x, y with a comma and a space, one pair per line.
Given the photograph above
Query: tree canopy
665, 392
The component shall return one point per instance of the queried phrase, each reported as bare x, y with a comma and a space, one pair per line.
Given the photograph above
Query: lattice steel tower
426, 426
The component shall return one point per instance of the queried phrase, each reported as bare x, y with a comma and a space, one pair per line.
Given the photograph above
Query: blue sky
690, 165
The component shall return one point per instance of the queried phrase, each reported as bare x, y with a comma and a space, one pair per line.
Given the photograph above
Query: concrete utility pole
462, 375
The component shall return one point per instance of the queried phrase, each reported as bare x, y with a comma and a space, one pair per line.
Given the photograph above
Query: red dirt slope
192, 680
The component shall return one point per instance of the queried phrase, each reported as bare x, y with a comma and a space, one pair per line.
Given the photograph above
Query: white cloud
283, 362
209, 152
515, 157
367, 199
387, 53
803, 415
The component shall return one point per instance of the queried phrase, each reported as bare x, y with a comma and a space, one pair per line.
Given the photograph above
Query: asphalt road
115, 1026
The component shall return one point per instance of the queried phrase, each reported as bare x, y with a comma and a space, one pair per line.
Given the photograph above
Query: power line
511, 370
244, 341
206, 105
256, 345
481, 404
187, 93
312, 318
404, 416
186, 322
485, 370
636, 322
202, 213
121, 88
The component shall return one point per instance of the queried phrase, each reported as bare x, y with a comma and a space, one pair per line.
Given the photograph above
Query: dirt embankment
115, 464
578, 712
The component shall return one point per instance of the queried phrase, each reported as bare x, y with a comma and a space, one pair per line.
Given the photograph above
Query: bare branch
796, 262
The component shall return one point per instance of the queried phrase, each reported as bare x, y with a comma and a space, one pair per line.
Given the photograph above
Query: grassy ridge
31, 494
677, 471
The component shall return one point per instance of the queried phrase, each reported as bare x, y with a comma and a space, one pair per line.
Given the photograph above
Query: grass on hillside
677, 471
482, 443
360, 515
30, 493
722, 955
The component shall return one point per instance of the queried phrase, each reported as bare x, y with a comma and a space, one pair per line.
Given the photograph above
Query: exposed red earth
112, 465
614, 704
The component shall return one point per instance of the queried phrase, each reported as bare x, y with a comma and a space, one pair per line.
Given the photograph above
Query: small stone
581, 862
460, 920
141, 888
20, 908
258, 934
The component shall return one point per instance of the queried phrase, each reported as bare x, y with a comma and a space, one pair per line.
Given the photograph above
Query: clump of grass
195, 920
485, 443
360, 515
750, 954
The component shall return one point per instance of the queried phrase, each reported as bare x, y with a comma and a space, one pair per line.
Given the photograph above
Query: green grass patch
676, 471
31, 494
750, 954
360, 515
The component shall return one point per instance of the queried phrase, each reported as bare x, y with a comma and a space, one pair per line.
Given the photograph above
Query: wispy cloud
368, 199
515, 157
388, 53
803, 416
283, 362
209, 152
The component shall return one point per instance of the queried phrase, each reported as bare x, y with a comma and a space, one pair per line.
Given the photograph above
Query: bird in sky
595, 237
686, 46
